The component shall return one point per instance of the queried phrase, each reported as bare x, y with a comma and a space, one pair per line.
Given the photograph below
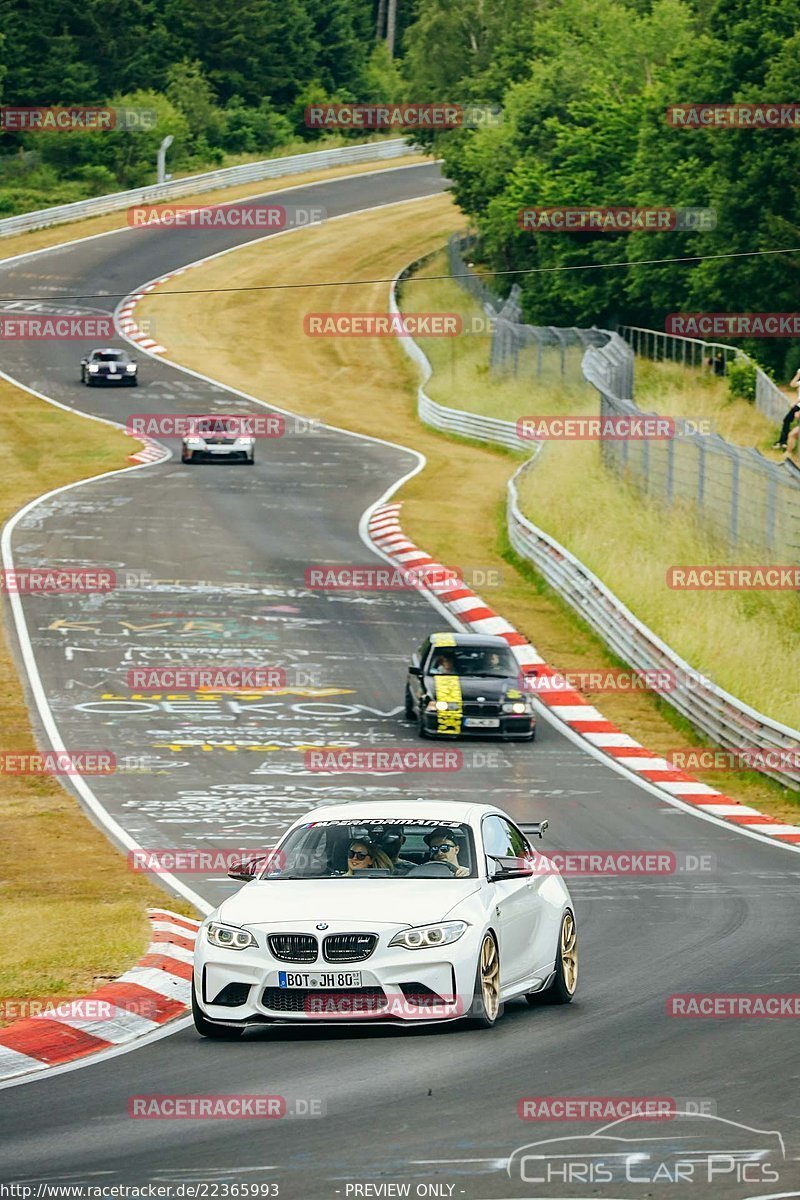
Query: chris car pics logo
702, 1149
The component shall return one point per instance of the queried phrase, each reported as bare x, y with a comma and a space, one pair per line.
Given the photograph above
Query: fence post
734, 527
772, 489
701, 471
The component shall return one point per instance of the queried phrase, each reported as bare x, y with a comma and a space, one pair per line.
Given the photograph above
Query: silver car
217, 437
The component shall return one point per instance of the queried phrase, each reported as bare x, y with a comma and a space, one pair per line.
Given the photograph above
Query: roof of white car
400, 810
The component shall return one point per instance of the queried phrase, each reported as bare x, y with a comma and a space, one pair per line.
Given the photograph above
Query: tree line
582, 87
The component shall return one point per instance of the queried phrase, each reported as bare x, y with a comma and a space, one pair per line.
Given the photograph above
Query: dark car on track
467, 684
109, 366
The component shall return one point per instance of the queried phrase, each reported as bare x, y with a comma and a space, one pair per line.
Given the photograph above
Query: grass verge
254, 341
624, 539
79, 913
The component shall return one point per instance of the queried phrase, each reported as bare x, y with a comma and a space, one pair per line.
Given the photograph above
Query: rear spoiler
535, 828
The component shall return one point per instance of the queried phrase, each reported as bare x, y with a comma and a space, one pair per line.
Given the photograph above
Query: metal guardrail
691, 352
722, 717
725, 719
268, 168
735, 491
439, 416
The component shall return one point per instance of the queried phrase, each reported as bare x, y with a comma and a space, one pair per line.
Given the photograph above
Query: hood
473, 686
357, 902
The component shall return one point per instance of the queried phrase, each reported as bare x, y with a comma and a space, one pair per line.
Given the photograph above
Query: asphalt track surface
222, 551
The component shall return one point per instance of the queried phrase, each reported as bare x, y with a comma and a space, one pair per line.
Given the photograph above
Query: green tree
189, 91
129, 154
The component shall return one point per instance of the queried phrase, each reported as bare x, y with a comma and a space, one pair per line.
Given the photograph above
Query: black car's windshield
402, 849
487, 661
108, 356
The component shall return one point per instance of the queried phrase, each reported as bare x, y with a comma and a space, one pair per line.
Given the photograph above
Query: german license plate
114, 375
482, 722
319, 979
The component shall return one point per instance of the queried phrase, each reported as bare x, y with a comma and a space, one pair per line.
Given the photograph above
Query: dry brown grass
73, 912
453, 508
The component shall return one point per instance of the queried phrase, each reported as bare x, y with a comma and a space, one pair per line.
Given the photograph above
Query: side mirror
510, 867
535, 828
245, 871
415, 671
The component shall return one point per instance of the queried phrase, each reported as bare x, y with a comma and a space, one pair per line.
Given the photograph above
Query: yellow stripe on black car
443, 639
448, 689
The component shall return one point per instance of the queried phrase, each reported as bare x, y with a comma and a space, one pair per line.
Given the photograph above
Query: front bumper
510, 728
212, 453
396, 986
118, 380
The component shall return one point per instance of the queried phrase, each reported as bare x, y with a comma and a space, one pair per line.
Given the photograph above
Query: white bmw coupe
388, 911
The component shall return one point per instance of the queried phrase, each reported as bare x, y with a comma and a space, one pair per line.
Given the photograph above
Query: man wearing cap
444, 849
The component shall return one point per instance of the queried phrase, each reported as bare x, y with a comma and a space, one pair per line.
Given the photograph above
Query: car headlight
424, 937
93, 368
441, 705
245, 441
229, 937
194, 441
517, 706
130, 367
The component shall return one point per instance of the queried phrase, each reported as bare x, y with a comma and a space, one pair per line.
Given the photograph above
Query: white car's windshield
402, 849
216, 425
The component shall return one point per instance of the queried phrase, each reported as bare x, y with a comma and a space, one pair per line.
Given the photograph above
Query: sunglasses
359, 854
443, 847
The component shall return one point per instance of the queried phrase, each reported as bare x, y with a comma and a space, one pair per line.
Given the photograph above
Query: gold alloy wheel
569, 953
490, 977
